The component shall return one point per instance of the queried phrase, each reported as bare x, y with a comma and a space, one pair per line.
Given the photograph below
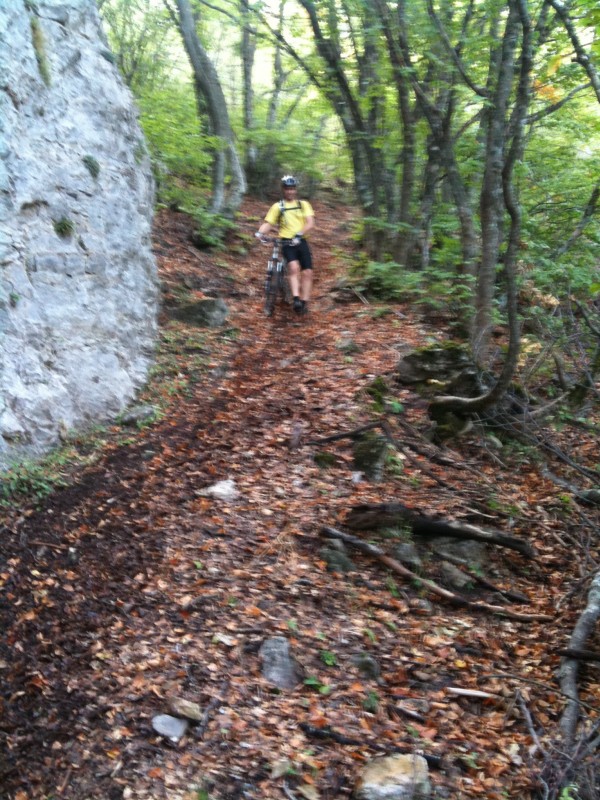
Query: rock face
397, 777
78, 287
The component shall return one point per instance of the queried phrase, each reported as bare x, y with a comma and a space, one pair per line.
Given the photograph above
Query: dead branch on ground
380, 515
570, 666
377, 553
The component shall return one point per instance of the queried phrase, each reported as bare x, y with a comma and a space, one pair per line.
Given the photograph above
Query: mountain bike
276, 280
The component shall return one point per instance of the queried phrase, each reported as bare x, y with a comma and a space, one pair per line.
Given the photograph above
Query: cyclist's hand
261, 237
296, 240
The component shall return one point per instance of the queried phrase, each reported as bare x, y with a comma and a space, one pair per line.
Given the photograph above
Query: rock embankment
78, 288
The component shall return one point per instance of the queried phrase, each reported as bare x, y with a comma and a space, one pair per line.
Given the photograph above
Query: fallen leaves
175, 591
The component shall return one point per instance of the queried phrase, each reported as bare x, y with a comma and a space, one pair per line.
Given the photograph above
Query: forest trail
133, 584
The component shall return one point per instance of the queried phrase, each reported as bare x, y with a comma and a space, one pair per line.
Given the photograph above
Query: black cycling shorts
298, 252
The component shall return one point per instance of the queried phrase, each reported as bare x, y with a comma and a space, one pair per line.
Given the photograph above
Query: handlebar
274, 239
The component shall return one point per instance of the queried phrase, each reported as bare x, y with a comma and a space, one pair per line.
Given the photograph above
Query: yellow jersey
289, 217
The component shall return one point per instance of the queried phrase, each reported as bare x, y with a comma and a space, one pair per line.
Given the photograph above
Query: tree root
380, 515
377, 553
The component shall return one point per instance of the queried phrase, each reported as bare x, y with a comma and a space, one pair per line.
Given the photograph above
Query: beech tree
208, 87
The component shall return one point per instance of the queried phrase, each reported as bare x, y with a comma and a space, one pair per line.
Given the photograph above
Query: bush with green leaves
210, 229
179, 149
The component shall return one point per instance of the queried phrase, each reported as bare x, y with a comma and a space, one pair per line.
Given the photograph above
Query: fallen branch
340, 738
475, 693
570, 666
579, 655
215, 702
396, 566
587, 496
381, 515
351, 434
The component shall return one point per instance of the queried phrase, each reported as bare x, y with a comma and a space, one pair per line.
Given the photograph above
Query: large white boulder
78, 286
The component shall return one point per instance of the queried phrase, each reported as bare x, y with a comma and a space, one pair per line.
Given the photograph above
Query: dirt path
132, 586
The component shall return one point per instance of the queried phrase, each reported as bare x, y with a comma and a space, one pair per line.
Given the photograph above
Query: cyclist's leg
306, 282
294, 277
306, 275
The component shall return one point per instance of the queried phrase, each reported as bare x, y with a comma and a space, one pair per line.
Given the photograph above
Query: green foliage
31, 481
324, 459
434, 287
211, 229
64, 227
569, 792
314, 683
92, 165
142, 38
371, 702
377, 391
328, 658
179, 150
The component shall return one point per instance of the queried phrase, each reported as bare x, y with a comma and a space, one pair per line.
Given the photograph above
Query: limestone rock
78, 286
138, 414
367, 665
207, 313
407, 553
278, 667
222, 490
369, 453
187, 709
396, 777
172, 728
455, 577
337, 560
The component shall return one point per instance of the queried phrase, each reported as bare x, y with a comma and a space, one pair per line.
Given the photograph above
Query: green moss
39, 47
92, 166
64, 227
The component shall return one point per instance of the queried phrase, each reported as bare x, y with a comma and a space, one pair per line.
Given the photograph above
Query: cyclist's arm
309, 224
266, 228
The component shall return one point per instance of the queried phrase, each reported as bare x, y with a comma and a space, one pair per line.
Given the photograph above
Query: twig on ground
526, 713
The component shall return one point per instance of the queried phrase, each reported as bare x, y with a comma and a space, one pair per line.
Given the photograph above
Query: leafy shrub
180, 152
211, 229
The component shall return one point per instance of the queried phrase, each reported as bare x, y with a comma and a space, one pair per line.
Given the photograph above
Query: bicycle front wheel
270, 294
283, 287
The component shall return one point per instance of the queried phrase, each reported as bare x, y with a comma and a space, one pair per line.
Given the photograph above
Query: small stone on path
171, 727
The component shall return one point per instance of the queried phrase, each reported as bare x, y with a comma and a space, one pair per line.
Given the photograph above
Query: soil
131, 585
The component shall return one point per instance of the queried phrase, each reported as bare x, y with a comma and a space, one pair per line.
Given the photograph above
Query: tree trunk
248, 46
491, 201
208, 85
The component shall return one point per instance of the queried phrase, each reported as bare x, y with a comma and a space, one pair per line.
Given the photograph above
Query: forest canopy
467, 134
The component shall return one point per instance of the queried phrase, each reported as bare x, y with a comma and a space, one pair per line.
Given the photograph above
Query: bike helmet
289, 180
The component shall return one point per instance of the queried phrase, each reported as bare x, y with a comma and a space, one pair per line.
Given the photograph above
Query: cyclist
294, 218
